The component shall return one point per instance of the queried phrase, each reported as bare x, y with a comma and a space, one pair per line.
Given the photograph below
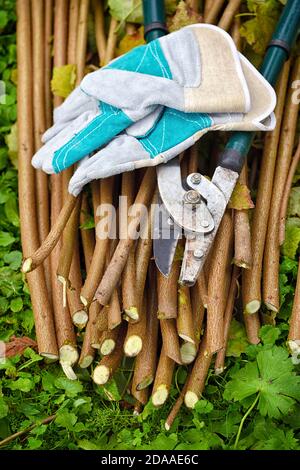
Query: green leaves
126, 10
3, 408
271, 375
71, 387
6, 239
258, 30
63, 80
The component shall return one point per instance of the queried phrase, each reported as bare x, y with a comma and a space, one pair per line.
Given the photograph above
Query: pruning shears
197, 205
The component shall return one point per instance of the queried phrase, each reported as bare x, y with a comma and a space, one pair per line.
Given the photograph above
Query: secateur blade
178, 209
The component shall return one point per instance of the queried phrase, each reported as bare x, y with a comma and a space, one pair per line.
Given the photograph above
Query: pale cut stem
163, 379
197, 377
109, 364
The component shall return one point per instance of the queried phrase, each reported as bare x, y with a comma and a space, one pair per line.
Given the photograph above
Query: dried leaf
241, 198
17, 346
184, 16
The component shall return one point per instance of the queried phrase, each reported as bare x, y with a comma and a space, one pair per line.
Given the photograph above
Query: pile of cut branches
99, 300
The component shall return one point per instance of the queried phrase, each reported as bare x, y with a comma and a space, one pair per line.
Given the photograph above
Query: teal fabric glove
175, 131
196, 69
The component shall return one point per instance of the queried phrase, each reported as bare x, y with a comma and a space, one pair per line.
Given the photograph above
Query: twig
229, 13
213, 12
118, 261
42, 194
175, 410
32, 262
163, 379
111, 41
114, 316
185, 326
99, 29
107, 342
82, 34
167, 288
285, 152
252, 277
14, 436
42, 311
219, 270
129, 291
102, 242
197, 378
48, 60
136, 333
170, 339
220, 359
145, 365
109, 364
66, 338
87, 236
91, 336
242, 233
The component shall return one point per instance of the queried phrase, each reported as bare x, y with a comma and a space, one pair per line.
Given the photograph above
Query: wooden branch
229, 14
219, 269
99, 29
220, 359
43, 315
252, 277
285, 152
242, 233
118, 261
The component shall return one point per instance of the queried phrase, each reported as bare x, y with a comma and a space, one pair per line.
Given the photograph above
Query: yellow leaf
63, 80
241, 198
129, 41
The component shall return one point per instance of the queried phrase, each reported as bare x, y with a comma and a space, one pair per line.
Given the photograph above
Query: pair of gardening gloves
154, 102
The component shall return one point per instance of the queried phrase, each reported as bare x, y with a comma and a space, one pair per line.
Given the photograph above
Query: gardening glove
196, 69
174, 132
